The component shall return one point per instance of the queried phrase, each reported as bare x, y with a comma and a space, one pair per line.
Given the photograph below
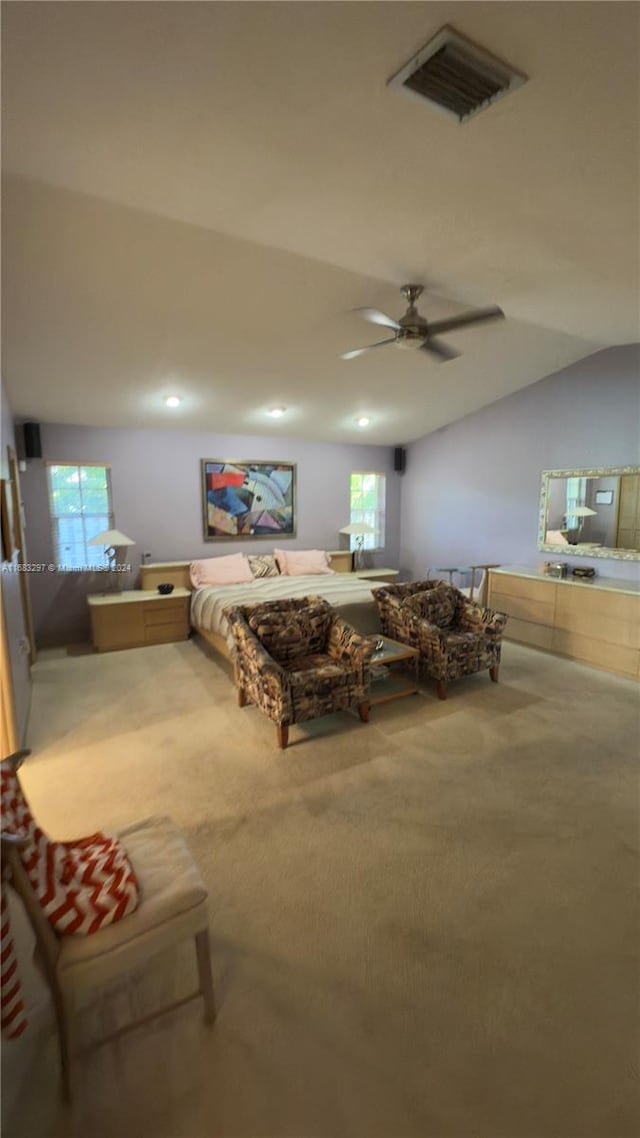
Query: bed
352, 597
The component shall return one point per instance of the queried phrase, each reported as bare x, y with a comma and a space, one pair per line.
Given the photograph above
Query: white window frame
374, 517
94, 555
576, 496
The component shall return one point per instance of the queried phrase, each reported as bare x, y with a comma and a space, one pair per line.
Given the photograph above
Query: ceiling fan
413, 331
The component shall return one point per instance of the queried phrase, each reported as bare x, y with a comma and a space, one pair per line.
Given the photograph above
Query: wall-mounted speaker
399, 459
32, 441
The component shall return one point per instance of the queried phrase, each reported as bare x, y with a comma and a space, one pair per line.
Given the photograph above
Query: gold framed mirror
591, 512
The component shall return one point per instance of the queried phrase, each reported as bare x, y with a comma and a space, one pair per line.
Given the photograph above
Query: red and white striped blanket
82, 886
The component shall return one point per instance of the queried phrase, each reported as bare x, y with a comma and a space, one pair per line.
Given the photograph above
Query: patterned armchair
298, 659
454, 636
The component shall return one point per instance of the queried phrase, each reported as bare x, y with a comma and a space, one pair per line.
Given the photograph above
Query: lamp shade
111, 537
580, 512
357, 528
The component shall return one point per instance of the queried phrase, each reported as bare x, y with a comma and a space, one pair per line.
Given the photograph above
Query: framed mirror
591, 512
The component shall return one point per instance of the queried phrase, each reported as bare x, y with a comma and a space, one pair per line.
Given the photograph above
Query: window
367, 496
80, 508
576, 495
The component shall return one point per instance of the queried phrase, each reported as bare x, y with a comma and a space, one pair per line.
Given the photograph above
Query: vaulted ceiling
197, 195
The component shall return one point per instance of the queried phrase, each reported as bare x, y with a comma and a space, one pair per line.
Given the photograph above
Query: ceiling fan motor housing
414, 330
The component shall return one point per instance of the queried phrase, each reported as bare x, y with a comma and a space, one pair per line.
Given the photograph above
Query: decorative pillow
437, 605
230, 570
263, 565
299, 562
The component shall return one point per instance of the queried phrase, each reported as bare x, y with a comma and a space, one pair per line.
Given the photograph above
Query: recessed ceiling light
173, 401
363, 421
276, 412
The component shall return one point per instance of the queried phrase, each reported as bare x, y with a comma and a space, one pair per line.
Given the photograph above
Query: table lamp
579, 512
358, 530
114, 541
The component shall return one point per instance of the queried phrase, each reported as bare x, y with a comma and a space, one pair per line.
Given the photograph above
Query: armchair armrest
386, 600
486, 622
256, 659
265, 681
346, 643
424, 635
250, 652
393, 615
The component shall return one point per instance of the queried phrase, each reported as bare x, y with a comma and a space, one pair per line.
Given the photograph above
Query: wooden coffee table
394, 684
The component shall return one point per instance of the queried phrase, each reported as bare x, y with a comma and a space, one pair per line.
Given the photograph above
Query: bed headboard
172, 572
177, 572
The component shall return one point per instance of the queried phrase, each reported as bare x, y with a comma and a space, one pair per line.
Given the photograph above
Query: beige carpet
423, 927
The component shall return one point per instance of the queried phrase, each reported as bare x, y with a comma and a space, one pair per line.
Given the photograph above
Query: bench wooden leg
283, 736
493, 672
242, 697
441, 687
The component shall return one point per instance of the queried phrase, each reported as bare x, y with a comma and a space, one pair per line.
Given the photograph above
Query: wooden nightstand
340, 560
138, 617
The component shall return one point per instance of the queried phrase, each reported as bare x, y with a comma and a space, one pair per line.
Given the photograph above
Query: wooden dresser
596, 621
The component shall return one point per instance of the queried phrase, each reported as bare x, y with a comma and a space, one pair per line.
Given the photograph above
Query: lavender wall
156, 495
11, 597
471, 490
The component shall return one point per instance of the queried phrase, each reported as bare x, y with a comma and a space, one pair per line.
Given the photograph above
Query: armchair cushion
437, 606
287, 634
325, 674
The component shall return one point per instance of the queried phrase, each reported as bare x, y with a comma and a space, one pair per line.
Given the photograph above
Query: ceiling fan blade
375, 316
440, 349
360, 351
475, 316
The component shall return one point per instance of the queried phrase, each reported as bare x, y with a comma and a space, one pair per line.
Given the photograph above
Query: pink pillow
299, 562
281, 560
234, 569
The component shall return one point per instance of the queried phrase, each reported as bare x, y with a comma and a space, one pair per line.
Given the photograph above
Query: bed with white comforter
352, 597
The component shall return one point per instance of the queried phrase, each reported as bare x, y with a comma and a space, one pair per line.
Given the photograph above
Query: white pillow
299, 562
233, 569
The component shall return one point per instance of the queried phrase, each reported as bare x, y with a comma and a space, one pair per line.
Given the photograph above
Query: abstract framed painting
247, 499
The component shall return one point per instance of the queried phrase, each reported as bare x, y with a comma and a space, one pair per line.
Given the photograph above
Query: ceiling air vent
456, 76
